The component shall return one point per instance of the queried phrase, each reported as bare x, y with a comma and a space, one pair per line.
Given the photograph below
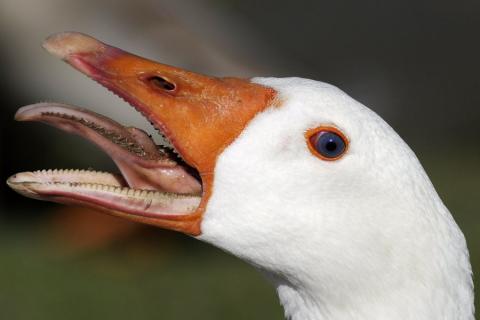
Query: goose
289, 174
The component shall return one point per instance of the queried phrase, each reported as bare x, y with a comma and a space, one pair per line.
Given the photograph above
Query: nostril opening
161, 83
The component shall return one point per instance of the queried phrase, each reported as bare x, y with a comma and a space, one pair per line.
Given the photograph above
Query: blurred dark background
416, 63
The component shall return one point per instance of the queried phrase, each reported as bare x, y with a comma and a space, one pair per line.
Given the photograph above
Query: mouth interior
154, 180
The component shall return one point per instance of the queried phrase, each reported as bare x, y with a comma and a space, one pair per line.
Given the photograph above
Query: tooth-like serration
115, 137
76, 176
165, 141
124, 191
136, 201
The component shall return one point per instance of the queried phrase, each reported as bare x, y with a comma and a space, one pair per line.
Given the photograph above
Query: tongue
143, 164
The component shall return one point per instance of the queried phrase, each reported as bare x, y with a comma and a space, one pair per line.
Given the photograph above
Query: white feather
363, 237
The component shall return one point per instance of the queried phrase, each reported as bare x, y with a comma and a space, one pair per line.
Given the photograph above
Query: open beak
166, 186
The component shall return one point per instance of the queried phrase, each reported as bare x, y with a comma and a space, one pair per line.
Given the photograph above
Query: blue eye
328, 144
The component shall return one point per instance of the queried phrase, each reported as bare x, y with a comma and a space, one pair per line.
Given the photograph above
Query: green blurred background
416, 63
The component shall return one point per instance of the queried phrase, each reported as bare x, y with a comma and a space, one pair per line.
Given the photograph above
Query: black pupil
329, 144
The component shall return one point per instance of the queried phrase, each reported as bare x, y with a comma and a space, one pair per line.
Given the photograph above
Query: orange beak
200, 115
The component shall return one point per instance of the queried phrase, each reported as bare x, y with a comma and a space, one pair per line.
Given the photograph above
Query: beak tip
22, 113
63, 44
14, 181
31, 111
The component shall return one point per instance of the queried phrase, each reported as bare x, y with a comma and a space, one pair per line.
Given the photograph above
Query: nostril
161, 83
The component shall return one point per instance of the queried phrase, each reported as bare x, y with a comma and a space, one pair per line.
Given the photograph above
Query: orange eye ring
312, 138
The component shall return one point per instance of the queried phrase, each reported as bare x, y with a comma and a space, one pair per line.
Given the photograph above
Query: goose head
289, 174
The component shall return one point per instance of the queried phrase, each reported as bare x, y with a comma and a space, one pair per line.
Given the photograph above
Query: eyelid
310, 133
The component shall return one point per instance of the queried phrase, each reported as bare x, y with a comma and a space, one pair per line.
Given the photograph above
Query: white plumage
364, 237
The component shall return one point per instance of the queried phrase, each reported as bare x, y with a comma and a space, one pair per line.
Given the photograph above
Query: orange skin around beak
200, 115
